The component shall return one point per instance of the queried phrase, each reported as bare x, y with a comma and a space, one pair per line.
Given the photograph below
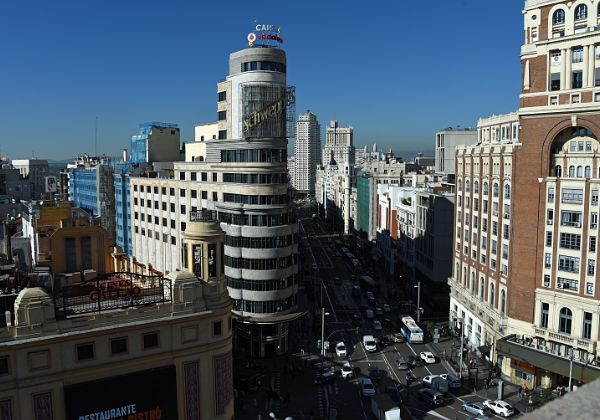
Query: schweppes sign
264, 114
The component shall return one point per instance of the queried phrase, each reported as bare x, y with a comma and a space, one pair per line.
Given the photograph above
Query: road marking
415, 353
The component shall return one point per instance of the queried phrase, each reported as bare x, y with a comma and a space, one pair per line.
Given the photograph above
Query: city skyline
73, 63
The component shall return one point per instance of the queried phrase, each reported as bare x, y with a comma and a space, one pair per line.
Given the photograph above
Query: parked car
413, 361
376, 325
326, 375
475, 408
369, 343
370, 295
453, 380
387, 308
427, 379
340, 349
374, 373
401, 363
366, 387
347, 371
433, 398
427, 357
397, 338
378, 311
387, 323
499, 407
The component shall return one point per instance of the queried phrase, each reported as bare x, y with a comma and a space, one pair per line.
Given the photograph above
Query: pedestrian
521, 391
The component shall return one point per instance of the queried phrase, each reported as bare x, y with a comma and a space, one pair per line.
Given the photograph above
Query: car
431, 397
401, 363
370, 295
347, 371
453, 380
499, 407
387, 308
413, 361
369, 343
427, 379
366, 387
427, 357
340, 349
383, 341
398, 338
475, 408
378, 311
374, 373
324, 376
376, 325
387, 323
398, 393
357, 320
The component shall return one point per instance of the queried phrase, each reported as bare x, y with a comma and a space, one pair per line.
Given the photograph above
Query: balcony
527, 351
561, 338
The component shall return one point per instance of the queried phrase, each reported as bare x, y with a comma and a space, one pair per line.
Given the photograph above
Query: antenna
96, 137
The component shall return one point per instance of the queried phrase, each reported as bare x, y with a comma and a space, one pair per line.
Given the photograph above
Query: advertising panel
212, 267
264, 111
197, 253
140, 395
50, 184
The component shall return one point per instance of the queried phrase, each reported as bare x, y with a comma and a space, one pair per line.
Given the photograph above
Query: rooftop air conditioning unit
560, 286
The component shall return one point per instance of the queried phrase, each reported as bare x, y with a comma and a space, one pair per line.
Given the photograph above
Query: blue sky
396, 71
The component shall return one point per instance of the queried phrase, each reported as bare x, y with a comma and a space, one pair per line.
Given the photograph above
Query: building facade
36, 171
243, 178
165, 354
307, 153
446, 142
155, 142
339, 145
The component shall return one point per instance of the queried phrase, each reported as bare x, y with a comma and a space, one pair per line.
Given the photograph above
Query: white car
427, 357
347, 371
499, 407
366, 387
376, 325
340, 349
427, 379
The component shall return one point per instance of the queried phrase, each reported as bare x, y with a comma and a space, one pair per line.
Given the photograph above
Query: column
586, 61
591, 65
563, 69
568, 75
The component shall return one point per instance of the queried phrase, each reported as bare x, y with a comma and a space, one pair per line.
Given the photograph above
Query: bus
411, 331
367, 283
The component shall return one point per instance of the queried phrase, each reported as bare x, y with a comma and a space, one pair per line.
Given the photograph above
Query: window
505, 251
547, 260
572, 195
588, 172
222, 134
579, 171
548, 238
577, 54
150, 340
593, 220
568, 284
544, 315
118, 345
182, 176
481, 288
550, 216
495, 189
182, 209
485, 188
577, 79
581, 12
558, 18
570, 240
589, 288
591, 267
507, 191
546, 280
85, 351
570, 218
554, 99
572, 168
221, 115
217, 328
565, 320
222, 96
594, 197
569, 264
502, 302
476, 187
551, 194
554, 85
494, 247
4, 365
587, 325
592, 247
575, 98
491, 288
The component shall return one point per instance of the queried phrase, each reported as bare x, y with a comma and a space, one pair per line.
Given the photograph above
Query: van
369, 314
369, 343
431, 397
453, 381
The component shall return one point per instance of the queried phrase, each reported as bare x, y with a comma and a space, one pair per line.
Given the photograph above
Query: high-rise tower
307, 152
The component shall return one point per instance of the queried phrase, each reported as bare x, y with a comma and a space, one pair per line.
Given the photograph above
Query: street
291, 386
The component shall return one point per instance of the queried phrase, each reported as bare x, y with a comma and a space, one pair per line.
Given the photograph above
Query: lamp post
323, 313
418, 287
462, 324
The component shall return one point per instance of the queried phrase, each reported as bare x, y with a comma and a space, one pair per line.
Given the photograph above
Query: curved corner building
261, 231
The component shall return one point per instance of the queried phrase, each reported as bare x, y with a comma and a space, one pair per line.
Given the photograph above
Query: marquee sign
265, 34
270, 111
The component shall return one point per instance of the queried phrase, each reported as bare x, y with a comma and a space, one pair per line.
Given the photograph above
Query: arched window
485, 188
558, 18
482, 288
507, 191
502, 302
491, 294
476, 187
496, 188
579, 171
571, 171
588, 172
558, 171
467, 186
581, 12
565, 320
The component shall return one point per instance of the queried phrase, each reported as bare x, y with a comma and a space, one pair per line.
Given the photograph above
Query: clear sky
397, 71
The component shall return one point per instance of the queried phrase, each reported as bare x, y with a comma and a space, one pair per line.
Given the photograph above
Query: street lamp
323, 313
418, 287
462, 324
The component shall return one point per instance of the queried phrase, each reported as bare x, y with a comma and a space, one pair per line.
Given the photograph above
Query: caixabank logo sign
149, 394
